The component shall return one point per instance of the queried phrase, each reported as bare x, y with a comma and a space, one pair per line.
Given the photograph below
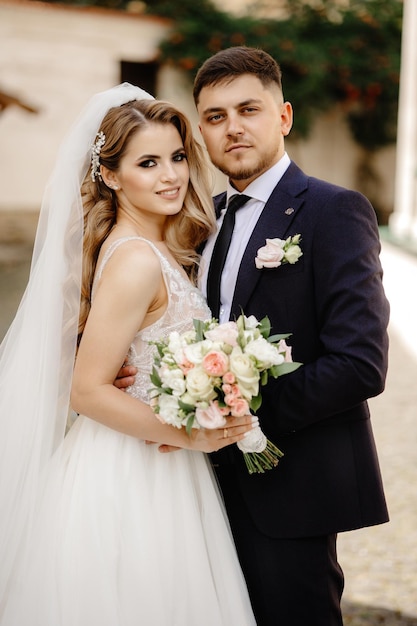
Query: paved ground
380, 563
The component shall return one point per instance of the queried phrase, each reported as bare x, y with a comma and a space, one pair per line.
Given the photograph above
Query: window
142, 75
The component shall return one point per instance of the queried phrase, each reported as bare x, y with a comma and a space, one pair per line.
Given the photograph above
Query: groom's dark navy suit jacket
333, 303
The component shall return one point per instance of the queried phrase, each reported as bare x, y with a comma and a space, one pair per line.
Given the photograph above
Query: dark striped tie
220, 250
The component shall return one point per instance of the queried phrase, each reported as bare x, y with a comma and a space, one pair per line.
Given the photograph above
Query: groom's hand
162, 447
125, 377
166, 448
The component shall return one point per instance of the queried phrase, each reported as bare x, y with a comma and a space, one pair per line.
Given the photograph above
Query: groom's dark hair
230, 63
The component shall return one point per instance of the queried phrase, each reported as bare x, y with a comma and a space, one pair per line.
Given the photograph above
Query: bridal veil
37, 354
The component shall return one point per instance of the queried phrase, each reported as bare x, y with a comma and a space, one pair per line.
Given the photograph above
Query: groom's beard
242, 172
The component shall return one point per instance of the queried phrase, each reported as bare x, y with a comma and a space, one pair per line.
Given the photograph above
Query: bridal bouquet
216, 370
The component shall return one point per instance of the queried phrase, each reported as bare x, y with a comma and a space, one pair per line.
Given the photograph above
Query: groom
285, 522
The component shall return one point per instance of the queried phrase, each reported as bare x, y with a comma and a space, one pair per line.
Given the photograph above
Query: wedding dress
125, 535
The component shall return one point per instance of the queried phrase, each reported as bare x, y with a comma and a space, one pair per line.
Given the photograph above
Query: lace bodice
185, 302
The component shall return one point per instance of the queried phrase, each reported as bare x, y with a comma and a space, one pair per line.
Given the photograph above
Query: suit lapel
275, 221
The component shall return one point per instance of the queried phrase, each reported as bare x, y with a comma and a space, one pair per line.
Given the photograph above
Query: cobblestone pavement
380, 563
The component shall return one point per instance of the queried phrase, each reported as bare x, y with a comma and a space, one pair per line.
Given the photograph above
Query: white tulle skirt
127, 536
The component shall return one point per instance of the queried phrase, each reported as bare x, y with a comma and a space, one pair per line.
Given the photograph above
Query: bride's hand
212, 440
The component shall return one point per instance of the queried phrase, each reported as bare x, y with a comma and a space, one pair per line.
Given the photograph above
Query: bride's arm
124, 302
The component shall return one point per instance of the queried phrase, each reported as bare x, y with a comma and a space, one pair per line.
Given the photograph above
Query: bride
96, 526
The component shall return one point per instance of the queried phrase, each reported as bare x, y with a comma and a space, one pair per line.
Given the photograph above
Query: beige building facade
54, 58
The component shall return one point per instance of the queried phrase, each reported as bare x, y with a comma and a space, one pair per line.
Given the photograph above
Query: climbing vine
330, 52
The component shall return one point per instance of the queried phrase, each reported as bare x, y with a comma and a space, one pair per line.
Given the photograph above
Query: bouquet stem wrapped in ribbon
216, 370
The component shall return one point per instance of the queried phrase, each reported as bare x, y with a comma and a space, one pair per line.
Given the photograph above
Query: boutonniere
279, 251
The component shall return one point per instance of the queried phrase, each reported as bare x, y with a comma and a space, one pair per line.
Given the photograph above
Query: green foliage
108, 4
329, 55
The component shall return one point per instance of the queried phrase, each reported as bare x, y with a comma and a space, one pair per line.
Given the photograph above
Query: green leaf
284, 368
265, 327
255, 403
188, 408
189, 424
155, 378
199, 327
277, 338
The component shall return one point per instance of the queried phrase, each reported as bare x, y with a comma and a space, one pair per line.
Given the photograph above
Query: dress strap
118, 242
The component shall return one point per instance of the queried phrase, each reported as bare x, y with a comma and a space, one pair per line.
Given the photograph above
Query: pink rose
211, 417
230, 399
215, 363
229, 378
287, 350
232, 394
233, 389
186, 366
240, 408
270, 255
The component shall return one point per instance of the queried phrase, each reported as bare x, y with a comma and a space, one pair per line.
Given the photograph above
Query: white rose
264, 352
173, 378
224, 333
251, 322
176, 345
250, 335
174, 342
199, 385
187, 399
196, 352
247, 375
169, 410
248, 328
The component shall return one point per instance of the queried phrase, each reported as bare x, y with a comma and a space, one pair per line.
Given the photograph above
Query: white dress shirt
246, 218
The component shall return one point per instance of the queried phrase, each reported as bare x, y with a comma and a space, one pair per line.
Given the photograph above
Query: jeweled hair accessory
95, 155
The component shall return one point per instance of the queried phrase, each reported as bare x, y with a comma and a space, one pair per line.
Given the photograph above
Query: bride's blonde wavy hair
185, 231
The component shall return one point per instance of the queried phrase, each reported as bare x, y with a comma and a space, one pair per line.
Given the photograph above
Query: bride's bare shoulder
131, 262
